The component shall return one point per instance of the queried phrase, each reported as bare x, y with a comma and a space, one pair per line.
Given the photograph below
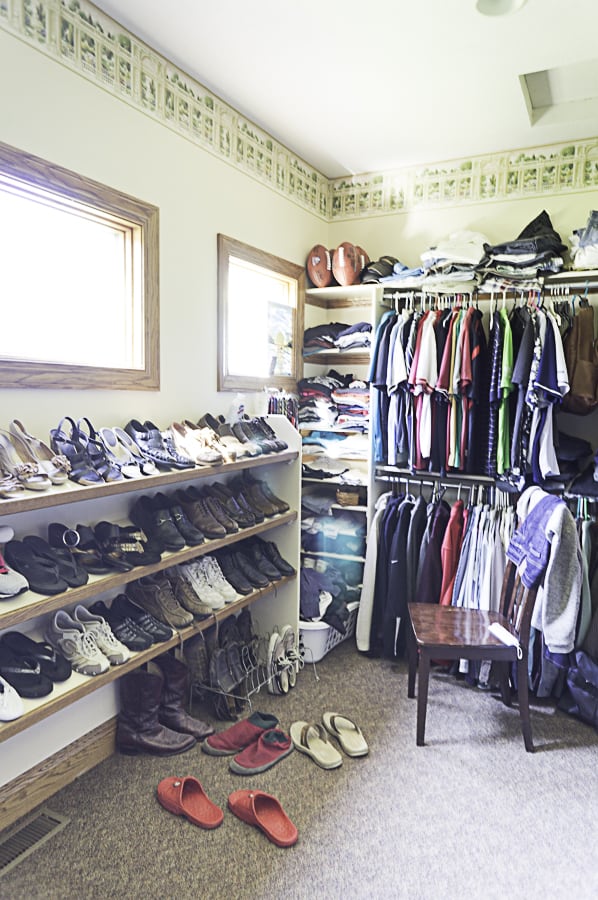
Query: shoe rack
275, 604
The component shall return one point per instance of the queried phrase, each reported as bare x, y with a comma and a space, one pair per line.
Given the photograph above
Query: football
346, 265
319, 266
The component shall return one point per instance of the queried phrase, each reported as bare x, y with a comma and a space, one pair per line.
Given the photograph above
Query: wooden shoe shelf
281, 470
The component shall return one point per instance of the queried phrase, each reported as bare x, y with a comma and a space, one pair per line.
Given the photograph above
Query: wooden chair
449, 632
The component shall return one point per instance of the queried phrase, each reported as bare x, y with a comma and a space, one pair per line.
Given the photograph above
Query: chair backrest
517, 603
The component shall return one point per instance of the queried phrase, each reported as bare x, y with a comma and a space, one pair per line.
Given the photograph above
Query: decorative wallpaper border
79, 36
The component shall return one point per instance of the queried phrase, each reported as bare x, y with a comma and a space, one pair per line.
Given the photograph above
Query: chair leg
412, 655
523, 695
422, 696
505, 686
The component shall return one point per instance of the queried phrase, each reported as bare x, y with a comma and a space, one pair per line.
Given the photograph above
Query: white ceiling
356, 87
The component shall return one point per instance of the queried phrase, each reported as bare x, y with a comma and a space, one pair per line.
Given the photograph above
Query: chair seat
451, 629
450, 632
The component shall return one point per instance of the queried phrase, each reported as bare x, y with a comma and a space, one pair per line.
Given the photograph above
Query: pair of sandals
85, 451
313, 739
157, 447
31, 667
48, 570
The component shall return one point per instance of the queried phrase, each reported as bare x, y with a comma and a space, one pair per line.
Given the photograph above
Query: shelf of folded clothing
334, 480
70, 492
334, 357
358, 508
335, 429
324, 554
78, 686
23, 607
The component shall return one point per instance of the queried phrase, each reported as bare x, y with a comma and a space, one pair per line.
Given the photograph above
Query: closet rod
449, 477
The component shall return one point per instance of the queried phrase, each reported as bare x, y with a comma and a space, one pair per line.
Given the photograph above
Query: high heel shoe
119, 454
147, 466
89, 440
82, 470
27, 473
31, 449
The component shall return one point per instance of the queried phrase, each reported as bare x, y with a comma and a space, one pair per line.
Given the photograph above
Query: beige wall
407, 235
57, 115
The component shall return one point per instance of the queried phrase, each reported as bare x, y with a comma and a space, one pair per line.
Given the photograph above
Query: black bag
581, 699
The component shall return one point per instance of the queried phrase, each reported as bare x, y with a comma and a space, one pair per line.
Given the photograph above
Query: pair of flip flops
313, 739
186, 797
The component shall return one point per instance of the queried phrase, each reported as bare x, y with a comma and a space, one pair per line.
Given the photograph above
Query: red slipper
265, 812
186, 797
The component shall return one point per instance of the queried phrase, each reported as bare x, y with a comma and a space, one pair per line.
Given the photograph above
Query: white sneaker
196, 577
11, 581
77, 644
11, 705
217, 580
97, 626
291, 652
278, 668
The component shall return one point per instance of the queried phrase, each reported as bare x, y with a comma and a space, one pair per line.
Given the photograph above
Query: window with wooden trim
78, 280
260, 314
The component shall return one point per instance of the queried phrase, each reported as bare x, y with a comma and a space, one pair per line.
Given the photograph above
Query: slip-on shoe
265, 812
270, 748
240, 735
186, 797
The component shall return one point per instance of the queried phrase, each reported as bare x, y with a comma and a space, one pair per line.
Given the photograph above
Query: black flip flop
41, 574
68, 567
24, 674
52, 663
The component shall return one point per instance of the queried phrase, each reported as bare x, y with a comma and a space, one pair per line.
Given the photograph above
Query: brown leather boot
138, 729
172, 711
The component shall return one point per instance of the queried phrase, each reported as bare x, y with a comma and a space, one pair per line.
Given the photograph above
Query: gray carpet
470, 814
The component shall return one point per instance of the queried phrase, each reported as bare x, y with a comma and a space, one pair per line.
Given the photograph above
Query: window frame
37, 172
230, 247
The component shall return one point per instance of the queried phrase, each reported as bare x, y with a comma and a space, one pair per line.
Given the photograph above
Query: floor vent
17, 844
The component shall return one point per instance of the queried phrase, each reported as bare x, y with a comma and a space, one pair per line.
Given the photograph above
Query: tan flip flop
347, 733
311, 739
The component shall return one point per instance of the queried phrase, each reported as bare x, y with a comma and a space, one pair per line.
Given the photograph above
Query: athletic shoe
76, 644
97, 626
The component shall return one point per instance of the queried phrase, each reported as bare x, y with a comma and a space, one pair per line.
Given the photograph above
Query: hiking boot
154, 594
186, 596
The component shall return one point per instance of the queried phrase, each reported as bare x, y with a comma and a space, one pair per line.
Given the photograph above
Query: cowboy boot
138, 729
172, 711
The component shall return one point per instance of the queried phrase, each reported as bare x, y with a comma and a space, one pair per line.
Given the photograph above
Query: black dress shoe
253, 575
261, 562
233, 574
157, 523
273, 554
191, 535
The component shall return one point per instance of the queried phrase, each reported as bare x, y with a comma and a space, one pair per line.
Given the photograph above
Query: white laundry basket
319, 638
